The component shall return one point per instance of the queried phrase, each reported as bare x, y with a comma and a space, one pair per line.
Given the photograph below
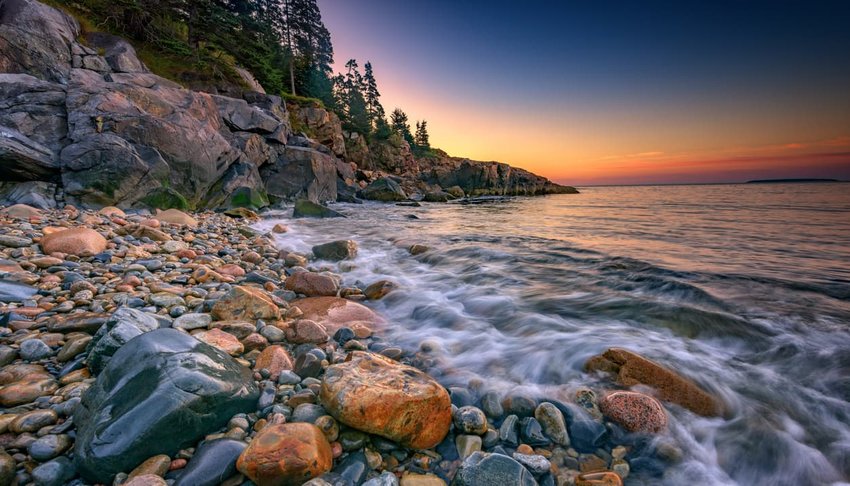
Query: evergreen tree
371, 95
356, 115
399, 124
421, 139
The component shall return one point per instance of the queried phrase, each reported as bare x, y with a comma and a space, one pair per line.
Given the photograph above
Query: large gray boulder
24, 159
35, 39
35, 108
301, 173
122, 326
383, 189
161, 392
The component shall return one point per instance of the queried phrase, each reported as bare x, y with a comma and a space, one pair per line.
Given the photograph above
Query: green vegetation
166, 198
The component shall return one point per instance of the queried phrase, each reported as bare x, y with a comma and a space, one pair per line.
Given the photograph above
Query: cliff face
84, 121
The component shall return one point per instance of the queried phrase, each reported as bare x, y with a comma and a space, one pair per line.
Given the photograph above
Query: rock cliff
82, 120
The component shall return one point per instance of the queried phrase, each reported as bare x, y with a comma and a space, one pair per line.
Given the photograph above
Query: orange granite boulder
286, 454
74, 241
245, 303
634, 411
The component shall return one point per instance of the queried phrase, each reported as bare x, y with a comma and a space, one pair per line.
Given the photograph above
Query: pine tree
399, 124
421, 139
354, 109
371, 95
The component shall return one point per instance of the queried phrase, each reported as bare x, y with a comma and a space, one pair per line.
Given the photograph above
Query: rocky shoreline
187, 349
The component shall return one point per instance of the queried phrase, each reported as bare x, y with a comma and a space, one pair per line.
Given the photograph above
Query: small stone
224, 341
385, 479
146, 480
279, 228
192, 321
414, 479
329, 427
50, 446
288, 377
621, 467
336, 250
307, 331
552, 421
275, 359
491, 405
34, 350
156, 465
532, 433
286, 454
470, 420
537, 464
54, 473
602, 478
467, 444
481, 468
32, 421
7, 468
508, 432
312, 284
246, 303
634, 411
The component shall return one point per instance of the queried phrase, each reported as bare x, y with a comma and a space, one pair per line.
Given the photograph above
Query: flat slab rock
375, 394
161, 392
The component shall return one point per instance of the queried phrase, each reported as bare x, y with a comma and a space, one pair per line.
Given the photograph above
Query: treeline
283, 43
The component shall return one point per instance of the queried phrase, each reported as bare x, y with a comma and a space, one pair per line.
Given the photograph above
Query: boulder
23, 159
35, 108
245, 303
301, 173
286, 454
634, 411
380, 396
483, 468
308, 209
74, 241
37, 194
632, 369
212, 463
118, 53
158, 383
122, 326
311, 284
21, 211
334, 313
383, 189
336, 250
176, 217
324, 126
274, 359
242, 117
379, 289
35, 39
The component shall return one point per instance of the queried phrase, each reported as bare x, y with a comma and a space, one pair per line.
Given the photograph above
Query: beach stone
224, 341
519, 405
308, 412
385, 479
306, 331
212, 463
587, 435
379, 289
336, 250
7, 468
192, 321
414, 479
156, 465
173, 246
240, 329
146, 480
231, 270
535, 463
532, 433
275, 359
470, 420
32, 421
600, 478
286, 454
308, 365
482, 468
15, 292
632, 369
27, 390
176, 217
553, 423
122, 326
50, 446
8, 266
21, 211
311, 284
241, 303
378, 395
160, 382
417, 249
87, 322
57, 472
508, 431
335, 313
467, 444
74, 241
279, 228
14, 241
634, 411
34, 350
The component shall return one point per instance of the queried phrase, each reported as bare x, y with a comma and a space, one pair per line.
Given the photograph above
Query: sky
616, 92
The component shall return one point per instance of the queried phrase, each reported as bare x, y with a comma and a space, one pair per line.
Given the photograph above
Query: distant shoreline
757, 181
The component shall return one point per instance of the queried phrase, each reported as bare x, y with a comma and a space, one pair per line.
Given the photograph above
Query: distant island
781, 181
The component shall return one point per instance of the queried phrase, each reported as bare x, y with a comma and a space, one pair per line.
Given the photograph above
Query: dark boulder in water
161, 392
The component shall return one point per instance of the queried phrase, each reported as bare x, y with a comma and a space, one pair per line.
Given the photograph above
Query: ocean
743, 288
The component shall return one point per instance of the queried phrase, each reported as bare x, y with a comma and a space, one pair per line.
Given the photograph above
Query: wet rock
634, 411
7, 468
308, 209
587, 435
34, 350
470, 420
275, 359
380, 396
335, 313
336, 250
15, 292
535, 463
212, 463
156, 466
192, 321
124, 324
601, 478
74, 241
54, 473
72, 348
27, 389
87, 322
379, 289
383, 189
176, 217
14, 241
482, 468
632, 369
146, 480
552, 421
308, 412
414, 479
191, 387
241, 303
221, 340
417, 249
509, 430
311, 284
286, 454
519, 405
306, 331
385, 479
354, 468
32, 421
308, 365
21, 211
467, 445
491, 404
531, 432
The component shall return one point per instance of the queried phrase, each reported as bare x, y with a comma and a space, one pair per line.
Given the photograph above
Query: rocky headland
83, 121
